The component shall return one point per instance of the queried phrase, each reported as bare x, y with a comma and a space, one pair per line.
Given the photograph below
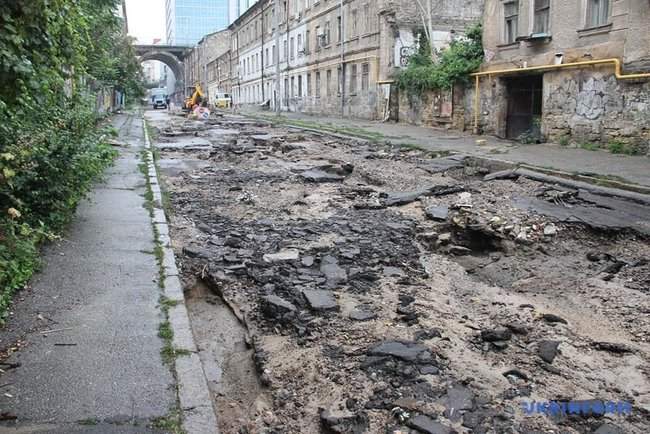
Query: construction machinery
196, 98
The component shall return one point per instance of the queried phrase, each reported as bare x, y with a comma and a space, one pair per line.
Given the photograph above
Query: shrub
50, 147
454, 64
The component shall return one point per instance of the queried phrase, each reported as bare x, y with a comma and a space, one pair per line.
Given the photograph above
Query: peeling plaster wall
582, 105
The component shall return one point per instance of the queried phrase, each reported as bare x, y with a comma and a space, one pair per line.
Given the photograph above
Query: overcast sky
146, 19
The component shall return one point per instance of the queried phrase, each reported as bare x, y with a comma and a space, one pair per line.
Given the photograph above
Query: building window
542, 12
300, 49
308, 84
318, 36
286, 50
365, 77
328, 33
354, 22
293, 86
366, 13
597, 13
339, 29
268, 60
300, 86
511, 17
307, 42
293, 48
275, 55
286, 90
339, 80
317, 85
328, 83
353, 79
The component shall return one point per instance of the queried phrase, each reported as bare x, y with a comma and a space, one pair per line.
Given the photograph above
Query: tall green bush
455, 63
53, 55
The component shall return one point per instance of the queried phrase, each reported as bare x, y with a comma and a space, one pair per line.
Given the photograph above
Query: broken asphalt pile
388, 290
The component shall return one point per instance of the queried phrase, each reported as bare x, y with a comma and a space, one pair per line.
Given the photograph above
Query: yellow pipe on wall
618, 71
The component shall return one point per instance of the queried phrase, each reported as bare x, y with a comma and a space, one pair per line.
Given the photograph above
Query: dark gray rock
459, 250
429, 370
320, 176
613, 347
609, 428
334, 274
320, 300
336, 422
362, 314
547, 350
439, 213
393, 272
196, 252
427, 425
500, 334
439, 165
552, 318
275, 306
308, 261
404, 350
327, 173
517, 328
402, 198
459, 399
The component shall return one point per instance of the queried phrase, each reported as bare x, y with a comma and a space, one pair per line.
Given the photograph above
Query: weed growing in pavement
165, 331
166, 304
564, 141
88, 422
617, 147
590, 146
172, 423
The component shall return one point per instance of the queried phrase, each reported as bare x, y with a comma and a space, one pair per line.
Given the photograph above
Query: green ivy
453, 65
54, 55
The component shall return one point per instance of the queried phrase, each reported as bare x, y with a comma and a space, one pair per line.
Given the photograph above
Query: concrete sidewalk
91, 356
629, 169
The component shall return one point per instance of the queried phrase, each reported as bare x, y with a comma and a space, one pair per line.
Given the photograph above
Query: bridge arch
168, 59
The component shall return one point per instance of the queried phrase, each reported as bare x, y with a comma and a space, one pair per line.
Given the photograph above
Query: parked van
222, 100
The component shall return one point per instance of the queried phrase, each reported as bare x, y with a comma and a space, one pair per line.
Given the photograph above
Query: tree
426, 9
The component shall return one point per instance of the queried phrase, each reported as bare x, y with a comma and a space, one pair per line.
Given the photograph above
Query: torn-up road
337, 286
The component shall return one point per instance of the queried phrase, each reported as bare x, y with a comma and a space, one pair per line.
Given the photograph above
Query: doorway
524, 107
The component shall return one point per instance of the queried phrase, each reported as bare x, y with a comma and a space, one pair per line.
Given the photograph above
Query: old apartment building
529, 86
332, 56
197, 63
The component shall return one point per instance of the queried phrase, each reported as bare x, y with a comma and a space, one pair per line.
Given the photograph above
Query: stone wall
578, 106
442, 108
593, 106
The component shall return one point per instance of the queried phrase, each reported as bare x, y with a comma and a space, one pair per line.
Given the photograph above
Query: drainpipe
262, 53
618, 72
276, 23
342, 59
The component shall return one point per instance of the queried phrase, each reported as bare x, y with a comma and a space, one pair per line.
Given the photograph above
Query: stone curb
199, 416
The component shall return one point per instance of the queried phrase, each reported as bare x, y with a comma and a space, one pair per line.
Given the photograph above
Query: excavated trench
339, 286
227, 355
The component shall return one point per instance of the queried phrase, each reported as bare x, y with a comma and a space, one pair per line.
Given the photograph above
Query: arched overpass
171, 55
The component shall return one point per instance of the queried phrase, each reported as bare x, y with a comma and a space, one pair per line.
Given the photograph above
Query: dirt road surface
338, 286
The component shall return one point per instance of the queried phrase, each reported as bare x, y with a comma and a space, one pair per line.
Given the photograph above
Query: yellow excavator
196, 98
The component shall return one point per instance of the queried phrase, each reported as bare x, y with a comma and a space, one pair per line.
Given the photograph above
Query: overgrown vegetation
453, 65
619, 147
54, 56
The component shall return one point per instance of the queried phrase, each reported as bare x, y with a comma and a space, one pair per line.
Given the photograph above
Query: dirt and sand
336, 285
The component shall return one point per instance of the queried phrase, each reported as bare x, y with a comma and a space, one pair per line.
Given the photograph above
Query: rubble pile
398, 292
